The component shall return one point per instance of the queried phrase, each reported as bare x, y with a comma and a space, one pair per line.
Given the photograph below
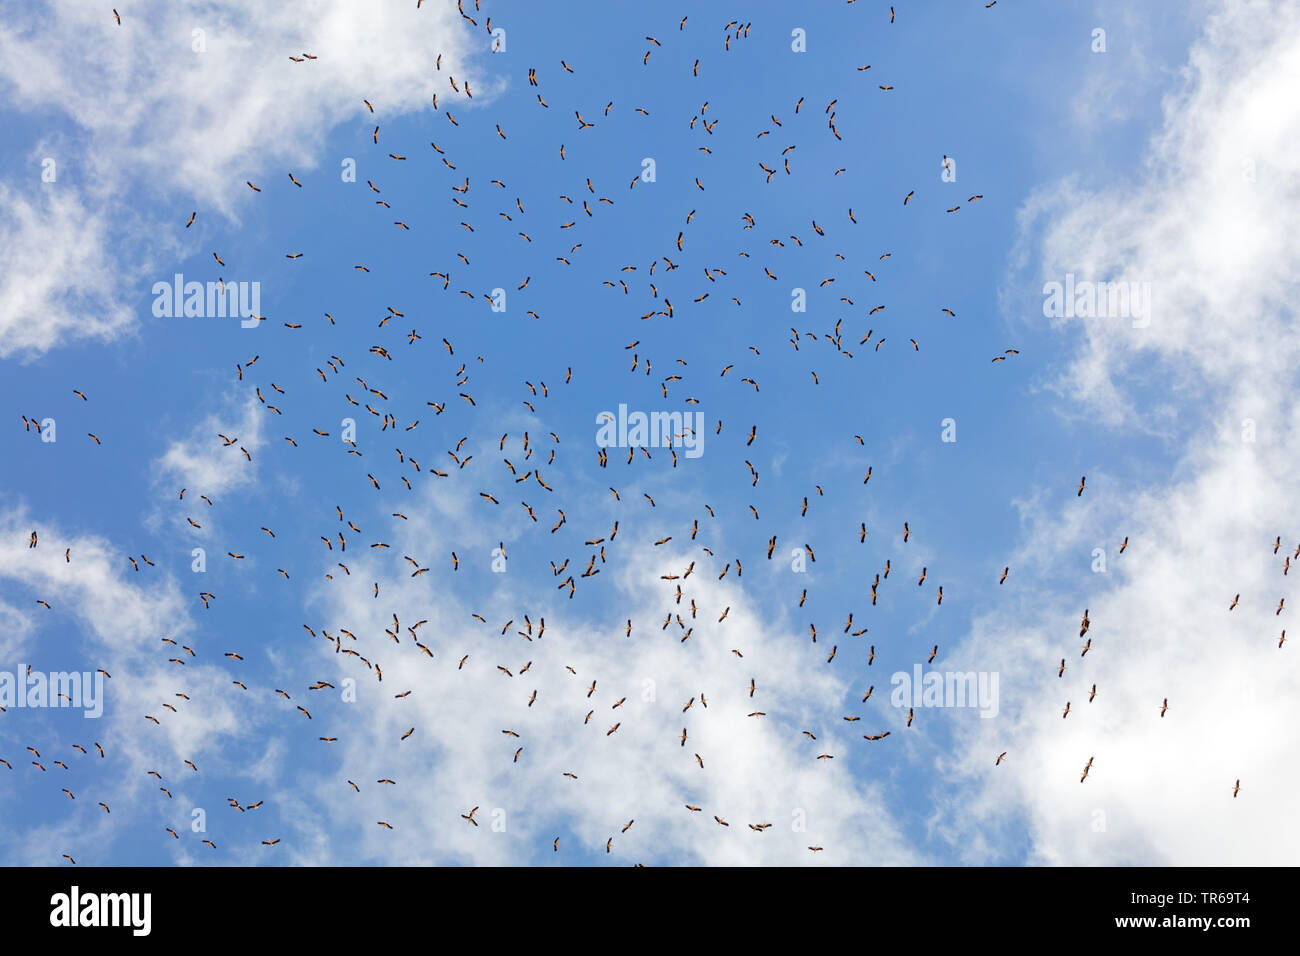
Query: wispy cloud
183, 102
1207, 226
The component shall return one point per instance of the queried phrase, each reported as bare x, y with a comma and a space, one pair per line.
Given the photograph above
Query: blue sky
1082, 160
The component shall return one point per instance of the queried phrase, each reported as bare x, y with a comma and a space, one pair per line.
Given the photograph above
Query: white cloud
757, 769
204, 464
150, 113
44, 241
1222, 256
103, 615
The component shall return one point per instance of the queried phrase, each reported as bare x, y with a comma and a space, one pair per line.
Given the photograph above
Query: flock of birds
683, 270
